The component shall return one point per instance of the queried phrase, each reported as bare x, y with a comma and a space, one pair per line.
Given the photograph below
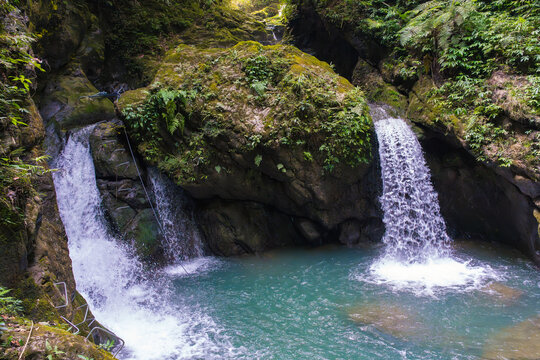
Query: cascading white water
181, 238
134, 304
415, 229
417, 249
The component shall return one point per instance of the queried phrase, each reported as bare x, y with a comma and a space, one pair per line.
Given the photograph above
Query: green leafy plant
163, 108
107, 345
258, 160
52, 351
84, 357
9, 305
16, 178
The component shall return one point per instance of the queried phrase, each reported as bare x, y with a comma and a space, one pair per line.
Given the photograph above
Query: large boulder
270, 125
112, 159
65, 28
124, 199
234, 228
65, 103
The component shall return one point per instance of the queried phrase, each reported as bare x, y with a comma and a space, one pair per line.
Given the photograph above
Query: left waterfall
134, 304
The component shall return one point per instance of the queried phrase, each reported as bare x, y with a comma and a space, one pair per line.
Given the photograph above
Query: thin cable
146, 192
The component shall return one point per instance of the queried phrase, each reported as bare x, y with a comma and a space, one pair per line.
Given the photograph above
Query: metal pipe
72, 325
65, 294
110, 333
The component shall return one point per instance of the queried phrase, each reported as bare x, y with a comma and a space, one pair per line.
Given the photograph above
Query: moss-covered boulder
376, 89
25, 340
64, 28
66, 102
268, 124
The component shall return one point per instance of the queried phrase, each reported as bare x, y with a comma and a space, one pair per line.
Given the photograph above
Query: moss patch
258, 96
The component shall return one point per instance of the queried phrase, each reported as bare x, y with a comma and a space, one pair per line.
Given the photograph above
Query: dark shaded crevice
312, 36
475, 201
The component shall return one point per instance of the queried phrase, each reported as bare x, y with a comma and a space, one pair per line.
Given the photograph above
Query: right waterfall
417, 250
415, 229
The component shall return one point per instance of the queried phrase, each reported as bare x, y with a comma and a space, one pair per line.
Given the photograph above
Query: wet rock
390, 319
144, 232
235, 228
521, 341
112, 158
350, 232
119, 212
66, 104
128, 191
311, 231
476, 201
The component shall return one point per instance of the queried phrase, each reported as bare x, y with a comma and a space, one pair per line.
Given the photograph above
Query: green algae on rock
66, 101
271, 96
269, 124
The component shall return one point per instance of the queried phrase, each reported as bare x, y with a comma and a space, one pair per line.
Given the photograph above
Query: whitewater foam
417, 254
194, 266
123, 296
431, 277
181, 237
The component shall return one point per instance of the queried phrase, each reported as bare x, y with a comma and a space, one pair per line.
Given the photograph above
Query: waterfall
415, 229
181, 238
138, 306
417, 250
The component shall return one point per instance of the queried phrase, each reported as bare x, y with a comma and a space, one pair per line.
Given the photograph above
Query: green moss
140, 31
269, 96
72, 89
35, 304
469, 109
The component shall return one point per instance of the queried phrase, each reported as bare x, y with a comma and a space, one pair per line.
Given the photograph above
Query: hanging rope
146, 192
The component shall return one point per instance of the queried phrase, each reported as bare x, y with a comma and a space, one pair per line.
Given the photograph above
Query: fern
433, 23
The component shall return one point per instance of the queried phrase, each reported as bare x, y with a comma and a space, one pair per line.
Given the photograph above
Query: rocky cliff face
480, 133
34, 255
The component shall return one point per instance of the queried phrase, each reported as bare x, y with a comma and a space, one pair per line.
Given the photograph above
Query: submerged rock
389, 319
521, 341
502, 293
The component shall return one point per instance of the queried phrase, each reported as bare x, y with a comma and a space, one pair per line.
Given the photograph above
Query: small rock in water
502, 293
521, 341
389, 319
